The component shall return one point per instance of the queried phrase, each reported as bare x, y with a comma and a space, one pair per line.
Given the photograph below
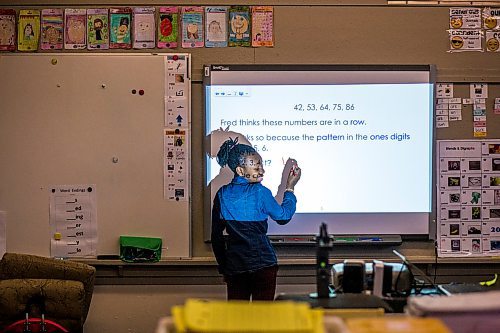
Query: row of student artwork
137, 27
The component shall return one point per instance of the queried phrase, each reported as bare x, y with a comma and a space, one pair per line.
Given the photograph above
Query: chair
66, 288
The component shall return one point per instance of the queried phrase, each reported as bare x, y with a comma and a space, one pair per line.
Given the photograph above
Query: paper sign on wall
176, 132
73, 221
176, 171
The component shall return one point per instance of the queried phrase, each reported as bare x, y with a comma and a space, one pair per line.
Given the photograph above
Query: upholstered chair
65, 286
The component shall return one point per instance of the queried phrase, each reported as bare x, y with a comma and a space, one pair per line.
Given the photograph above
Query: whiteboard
74, 119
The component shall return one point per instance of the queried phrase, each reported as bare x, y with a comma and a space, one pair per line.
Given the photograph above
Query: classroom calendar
468, 198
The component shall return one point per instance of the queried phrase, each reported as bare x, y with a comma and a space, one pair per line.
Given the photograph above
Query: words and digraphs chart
468, 198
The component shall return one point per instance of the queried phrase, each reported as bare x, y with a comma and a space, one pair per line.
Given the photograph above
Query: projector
400, 282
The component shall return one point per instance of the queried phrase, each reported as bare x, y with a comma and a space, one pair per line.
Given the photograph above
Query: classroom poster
144, 27
192, 30
478, 96
465, 32
447, 108
442, 112
479, 119
120, 23
7, 30
176, 185
262, 26
28, 30
465, 40
176, 114
52, 29
177, 86
478, 90
239, 26
97, 29
492, 41
468, 198
216, 26
465, 18
168, 27
455, 110
491, 18
176, 133
73, 221
444, 90
75, 28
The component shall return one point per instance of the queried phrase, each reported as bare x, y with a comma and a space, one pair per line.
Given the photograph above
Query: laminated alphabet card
120, 21
192, 27
97, 29
444, 90
7, 30
478, 91
75, 31
168, 27
28, 32
144, 27
52, 29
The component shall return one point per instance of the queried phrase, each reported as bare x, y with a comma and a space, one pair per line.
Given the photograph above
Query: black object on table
339, 301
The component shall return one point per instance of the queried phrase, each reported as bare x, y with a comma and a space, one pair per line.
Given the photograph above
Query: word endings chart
73, 221
468, 197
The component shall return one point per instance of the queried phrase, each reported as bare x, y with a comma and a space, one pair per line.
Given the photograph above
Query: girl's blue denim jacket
241, 209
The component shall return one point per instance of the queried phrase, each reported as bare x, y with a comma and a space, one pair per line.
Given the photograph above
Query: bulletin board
70, 119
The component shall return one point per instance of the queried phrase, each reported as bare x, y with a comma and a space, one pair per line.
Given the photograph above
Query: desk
340, 301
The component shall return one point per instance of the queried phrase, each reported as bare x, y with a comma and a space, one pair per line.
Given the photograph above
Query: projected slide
362, 147
362, 135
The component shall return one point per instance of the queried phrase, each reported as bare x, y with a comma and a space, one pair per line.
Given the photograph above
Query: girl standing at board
246, 257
